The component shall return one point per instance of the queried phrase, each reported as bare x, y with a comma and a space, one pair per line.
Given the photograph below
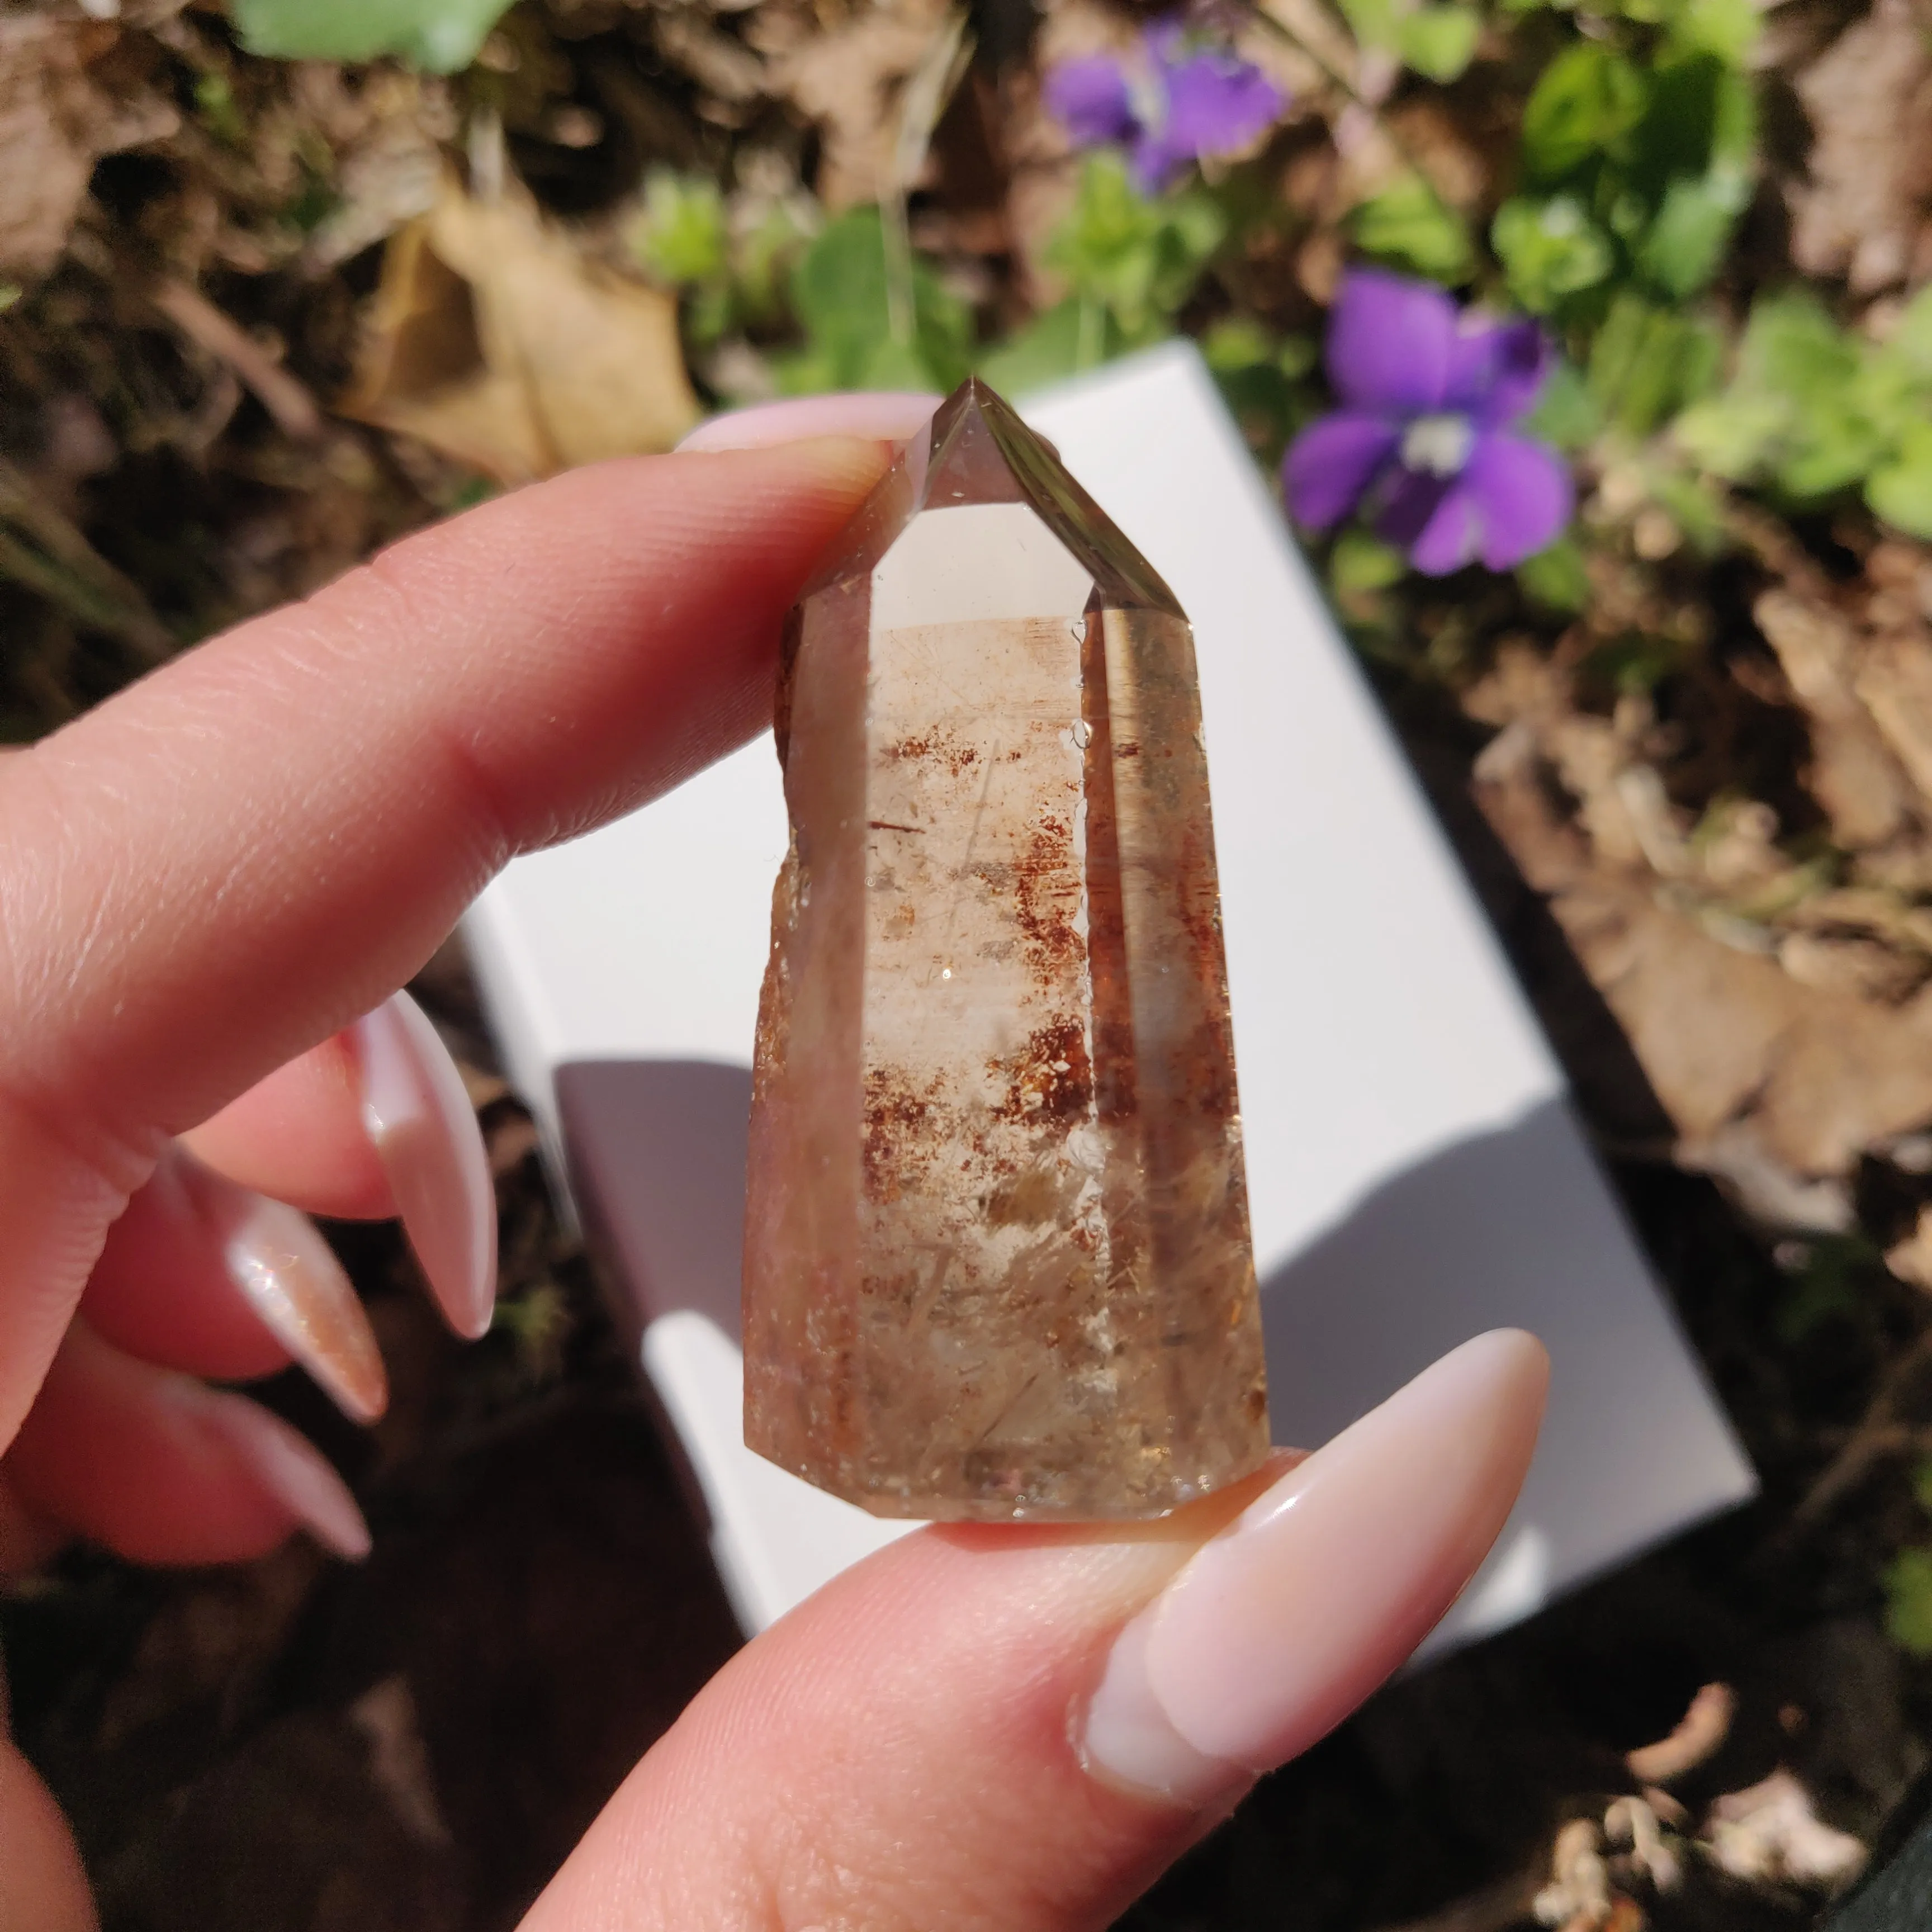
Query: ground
258, 316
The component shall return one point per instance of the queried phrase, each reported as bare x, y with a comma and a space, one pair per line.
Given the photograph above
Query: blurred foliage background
280, 280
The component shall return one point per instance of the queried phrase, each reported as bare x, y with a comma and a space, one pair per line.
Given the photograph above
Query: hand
203, 884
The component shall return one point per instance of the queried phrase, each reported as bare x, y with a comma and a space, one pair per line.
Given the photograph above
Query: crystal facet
997, 1261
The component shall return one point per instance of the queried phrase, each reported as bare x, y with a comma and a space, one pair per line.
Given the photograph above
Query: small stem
1880, 1435
928, 89
1087, 340
42, 552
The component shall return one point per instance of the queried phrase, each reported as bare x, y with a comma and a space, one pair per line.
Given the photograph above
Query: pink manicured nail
1281, 1624
288, 1465
278, 1259
886, 415
425, 1134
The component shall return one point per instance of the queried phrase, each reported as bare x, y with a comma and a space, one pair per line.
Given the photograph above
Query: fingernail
1279, 1626
417, 1114
278, 1259
886, 415
289, 1468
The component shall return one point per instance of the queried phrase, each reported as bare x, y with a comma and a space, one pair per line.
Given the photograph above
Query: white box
1416, 1173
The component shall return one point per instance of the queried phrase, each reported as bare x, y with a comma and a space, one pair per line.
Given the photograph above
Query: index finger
235, 857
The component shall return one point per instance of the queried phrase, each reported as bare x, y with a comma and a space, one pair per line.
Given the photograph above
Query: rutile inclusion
998, 1262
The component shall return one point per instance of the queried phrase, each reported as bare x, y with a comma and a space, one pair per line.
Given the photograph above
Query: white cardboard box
1416, 1172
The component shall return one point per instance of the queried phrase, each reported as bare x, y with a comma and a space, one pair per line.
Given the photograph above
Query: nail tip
441, 1179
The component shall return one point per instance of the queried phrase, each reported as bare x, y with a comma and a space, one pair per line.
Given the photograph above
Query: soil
417, 1741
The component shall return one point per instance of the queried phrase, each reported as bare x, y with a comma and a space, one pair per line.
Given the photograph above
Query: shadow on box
1420, 1264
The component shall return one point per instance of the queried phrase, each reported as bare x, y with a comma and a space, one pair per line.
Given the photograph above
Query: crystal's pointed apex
982, 452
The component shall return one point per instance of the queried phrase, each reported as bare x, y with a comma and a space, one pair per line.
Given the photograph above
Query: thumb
1014, 1730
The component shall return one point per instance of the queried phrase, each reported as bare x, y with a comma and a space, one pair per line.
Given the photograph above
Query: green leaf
1567, 414
1139, 257
840, 294
1686, 240
1407, 225
1438, 41
1728, 28
1900, 491
1586, 104
1693, 503
680, 236
1237, 342
1911, 342
1556, 577
1076, 335
1549, 250
1908, 1601
440, 35
215, 102
1733, 435
1256, 372
1359, 563
1648, 362
1921, 1484
1373, 23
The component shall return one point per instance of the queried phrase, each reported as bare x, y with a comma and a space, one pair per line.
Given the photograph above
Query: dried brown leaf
1864, 968
1895, 682
1704, 1726
496, 340
848, 81
1853, 774
1911, 1259
1869, 96
1771, 1083
1770, 1831
1847, 1075
54, 124
1705, 1021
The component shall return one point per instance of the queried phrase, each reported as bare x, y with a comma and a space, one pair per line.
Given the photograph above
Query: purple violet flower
1182, 98
1423, 441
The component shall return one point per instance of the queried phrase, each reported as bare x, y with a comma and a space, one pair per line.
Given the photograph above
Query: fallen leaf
1774, 1086
399, 1762
1852, 774
848, 82
1869, 97
1632, 1821
1770, 1831
1703, 1727
495, 339
1863, 968
1848, 1075
1895, 683
1705, 1021
1578, 1897
54, 124
1911, 1259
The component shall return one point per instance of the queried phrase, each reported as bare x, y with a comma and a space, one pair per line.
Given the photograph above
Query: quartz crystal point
998, 1262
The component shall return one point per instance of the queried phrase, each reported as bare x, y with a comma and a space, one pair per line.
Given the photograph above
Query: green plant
1908, 1601
441, 35
1437, 38
862, 331
1131, 260
1407, 225
1812, 411
1635, 166
1136, 257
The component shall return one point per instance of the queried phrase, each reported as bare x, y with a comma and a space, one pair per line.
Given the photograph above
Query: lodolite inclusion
998, 1263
